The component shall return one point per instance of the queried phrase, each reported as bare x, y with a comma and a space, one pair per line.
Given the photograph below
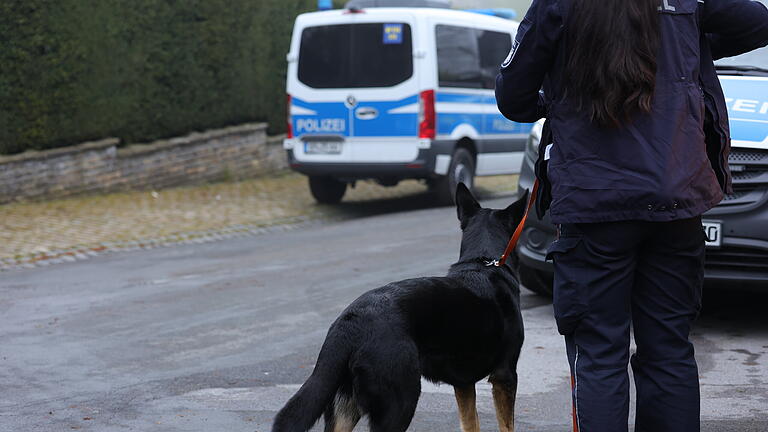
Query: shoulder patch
511, 55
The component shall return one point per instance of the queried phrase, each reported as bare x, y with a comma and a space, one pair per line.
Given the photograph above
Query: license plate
713, 232
323, 147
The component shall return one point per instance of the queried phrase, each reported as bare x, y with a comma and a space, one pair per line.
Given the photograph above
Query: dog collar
482, 260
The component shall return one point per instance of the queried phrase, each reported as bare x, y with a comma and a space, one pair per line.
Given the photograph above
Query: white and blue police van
394, 93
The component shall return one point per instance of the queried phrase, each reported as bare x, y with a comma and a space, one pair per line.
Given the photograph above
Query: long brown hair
611, 69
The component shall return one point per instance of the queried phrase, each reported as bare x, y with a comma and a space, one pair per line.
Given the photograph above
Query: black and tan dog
456, 329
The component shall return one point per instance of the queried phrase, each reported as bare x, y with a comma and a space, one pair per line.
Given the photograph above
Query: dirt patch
75, 228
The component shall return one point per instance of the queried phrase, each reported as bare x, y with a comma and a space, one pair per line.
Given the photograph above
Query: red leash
519, 230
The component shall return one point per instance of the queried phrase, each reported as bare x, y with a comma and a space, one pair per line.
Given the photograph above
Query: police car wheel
327, 190
461, 170
538, 281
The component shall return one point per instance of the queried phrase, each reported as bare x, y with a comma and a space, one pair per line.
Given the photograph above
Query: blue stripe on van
747, 100
465, 98
488, 123
387, 123
334, 118
447, 122
750, 131
462, 98
500, 125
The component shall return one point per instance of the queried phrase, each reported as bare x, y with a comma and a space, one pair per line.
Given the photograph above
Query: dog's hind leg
387, 381
466, 399
342, 415
392, 409
398, 412
504, 395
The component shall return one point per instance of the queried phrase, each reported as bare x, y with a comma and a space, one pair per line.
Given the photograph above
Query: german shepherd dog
456, 329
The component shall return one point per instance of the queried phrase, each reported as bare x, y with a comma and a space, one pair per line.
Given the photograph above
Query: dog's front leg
465, 397
504, 395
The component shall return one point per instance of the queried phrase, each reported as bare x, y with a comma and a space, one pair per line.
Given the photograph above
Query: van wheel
461, 170
540, 282
327, 190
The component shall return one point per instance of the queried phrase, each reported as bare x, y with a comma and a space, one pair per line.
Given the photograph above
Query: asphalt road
216, 337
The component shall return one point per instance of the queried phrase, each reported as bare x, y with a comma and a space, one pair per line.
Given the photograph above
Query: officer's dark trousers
647, 275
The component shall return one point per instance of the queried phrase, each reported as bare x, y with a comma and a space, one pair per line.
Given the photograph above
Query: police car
737, 229
389, 93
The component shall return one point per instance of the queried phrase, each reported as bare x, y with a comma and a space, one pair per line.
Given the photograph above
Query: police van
391, 93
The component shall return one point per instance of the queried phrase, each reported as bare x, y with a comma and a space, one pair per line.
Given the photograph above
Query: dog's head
486, 232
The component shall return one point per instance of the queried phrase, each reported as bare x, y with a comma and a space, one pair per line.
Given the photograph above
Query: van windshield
356, 55
757, 58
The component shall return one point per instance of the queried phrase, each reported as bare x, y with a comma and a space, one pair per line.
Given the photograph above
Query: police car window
356, 55
458, 57
494, 47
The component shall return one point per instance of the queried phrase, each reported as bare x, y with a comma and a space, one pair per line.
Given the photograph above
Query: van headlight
532, 145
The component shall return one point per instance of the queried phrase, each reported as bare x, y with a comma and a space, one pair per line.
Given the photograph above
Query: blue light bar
497, 12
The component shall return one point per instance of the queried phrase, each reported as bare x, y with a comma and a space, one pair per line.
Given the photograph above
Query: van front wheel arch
461, 170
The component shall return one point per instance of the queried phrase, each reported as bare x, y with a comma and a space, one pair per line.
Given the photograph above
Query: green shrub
76, 70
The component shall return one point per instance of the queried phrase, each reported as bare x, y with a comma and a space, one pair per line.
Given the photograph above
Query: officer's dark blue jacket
669, 164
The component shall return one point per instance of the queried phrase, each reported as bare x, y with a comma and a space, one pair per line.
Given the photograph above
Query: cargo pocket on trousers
570, 296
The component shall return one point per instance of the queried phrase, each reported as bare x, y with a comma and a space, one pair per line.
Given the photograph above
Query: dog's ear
516, 210
466, 204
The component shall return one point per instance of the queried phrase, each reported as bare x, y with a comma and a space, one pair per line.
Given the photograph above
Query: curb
82, 253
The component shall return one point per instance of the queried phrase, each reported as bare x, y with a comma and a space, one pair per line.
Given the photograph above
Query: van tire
462, 169
538, 281
327, 190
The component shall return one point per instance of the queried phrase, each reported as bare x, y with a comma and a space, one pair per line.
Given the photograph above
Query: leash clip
494, 263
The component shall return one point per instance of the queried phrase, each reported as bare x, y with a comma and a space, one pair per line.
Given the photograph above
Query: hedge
78, 70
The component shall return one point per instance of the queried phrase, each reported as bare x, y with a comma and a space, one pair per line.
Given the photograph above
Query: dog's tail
307, 405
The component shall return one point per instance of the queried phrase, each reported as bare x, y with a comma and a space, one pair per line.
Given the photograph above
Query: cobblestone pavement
43, 233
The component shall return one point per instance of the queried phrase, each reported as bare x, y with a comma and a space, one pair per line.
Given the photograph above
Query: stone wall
103, 166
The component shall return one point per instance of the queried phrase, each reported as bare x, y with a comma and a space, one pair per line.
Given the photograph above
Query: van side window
494, 47
468, 57
458, 57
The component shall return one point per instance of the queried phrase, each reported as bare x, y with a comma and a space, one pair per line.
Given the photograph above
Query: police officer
634, 150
